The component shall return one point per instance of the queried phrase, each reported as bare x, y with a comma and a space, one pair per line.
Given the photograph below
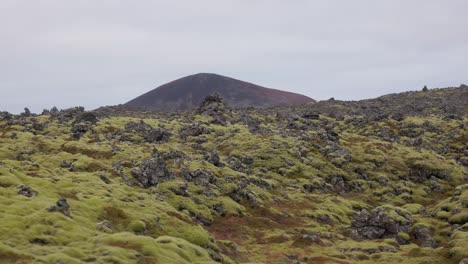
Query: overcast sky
94, 53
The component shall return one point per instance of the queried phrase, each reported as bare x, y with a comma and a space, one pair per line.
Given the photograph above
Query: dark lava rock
244, 194
383, 180
39, 241
26, 113
139, 127
219, 209
338, 183
213, 105
215, 160
78, 130
67, 115
152, 172
61, 206
38, 126
420, 173
311, 115
26, 191
87, 117
381, 222
324, 219
104, 179
423, 237
150, 134
254, 124
201, 140
200, 177
258, 181
5, 115
176, 155
317, 186
67, 165
240, 164
193, 130
157, 135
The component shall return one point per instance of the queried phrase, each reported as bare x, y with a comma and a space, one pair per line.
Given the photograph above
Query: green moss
137, 226
459, 218
261, 210
404, 236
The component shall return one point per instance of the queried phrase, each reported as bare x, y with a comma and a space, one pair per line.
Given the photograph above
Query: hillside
374, 181
188, 92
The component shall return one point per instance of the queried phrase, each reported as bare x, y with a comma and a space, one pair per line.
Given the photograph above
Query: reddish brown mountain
188, 93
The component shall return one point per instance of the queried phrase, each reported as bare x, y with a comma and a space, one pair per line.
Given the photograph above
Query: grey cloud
95, 53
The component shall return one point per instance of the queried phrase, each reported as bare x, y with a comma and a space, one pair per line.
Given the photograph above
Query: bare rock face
152, 172
381, 222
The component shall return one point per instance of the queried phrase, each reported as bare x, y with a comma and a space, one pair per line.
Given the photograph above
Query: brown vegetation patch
230, 228
11, 257
180, 217
324, 259
148, 260
126, 244
115, 215
272, 240
92, 153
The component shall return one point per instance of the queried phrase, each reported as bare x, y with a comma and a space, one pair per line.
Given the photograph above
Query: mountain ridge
188, 92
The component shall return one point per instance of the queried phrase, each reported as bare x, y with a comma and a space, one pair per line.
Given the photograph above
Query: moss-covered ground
288, 194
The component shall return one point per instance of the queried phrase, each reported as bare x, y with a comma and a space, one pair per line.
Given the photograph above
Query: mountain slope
188, 92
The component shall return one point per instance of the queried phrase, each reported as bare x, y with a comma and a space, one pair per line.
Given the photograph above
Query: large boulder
152, 172
78, 130
86, 117
146, 131
193, 130
381, 222
61, 206
200, 177
214, 105
422, 236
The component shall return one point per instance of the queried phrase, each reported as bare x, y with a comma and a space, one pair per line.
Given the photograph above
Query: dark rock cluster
200, 177
61, 206
381, 222
146, 131
151, 172
214, 106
